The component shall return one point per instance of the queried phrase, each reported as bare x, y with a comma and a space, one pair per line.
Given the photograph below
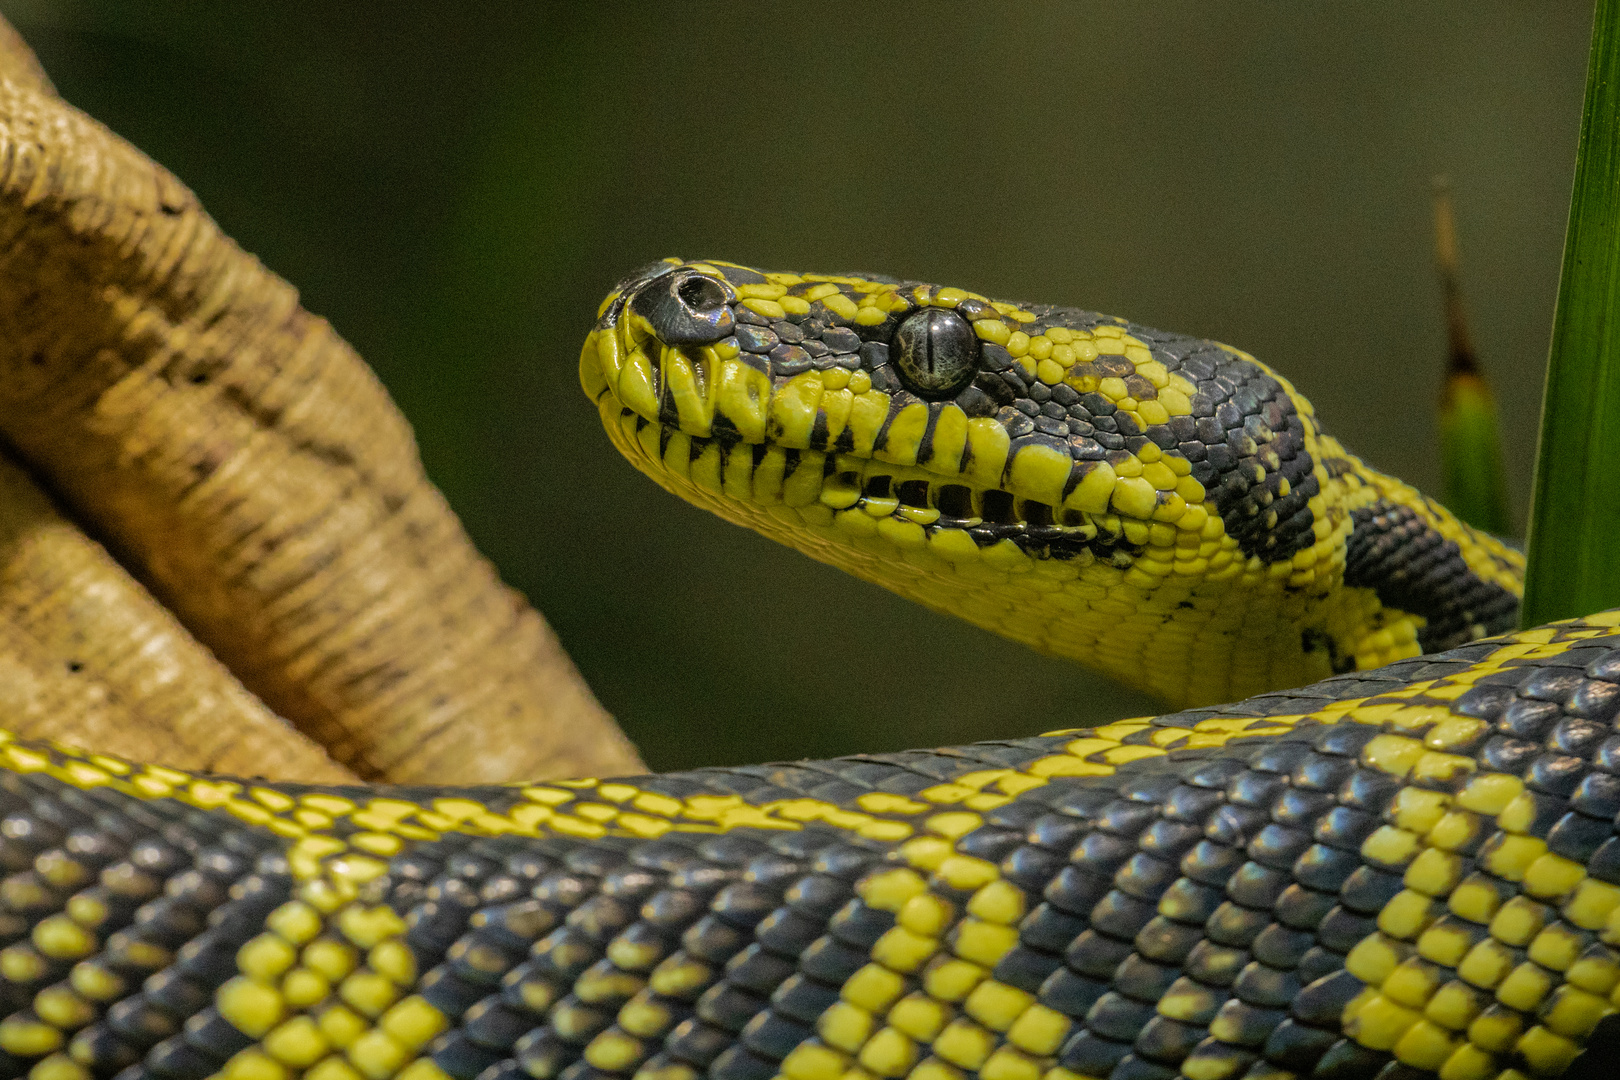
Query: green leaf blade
1574, 535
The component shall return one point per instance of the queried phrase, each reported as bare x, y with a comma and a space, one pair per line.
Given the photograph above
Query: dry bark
242, 461
18, 62
88, 657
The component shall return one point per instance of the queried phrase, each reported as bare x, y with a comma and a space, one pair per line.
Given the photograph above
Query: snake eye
936, 353
685, 308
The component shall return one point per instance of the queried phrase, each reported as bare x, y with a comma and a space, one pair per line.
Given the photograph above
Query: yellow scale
326, 988
1111, 617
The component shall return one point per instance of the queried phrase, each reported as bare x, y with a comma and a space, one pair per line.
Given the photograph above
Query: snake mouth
863, 496
859, 404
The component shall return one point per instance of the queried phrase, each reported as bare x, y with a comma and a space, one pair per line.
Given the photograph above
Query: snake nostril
701, 294
685, 308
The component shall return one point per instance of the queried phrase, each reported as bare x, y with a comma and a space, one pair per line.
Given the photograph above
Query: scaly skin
1162, 508
1406, 872
1388, 874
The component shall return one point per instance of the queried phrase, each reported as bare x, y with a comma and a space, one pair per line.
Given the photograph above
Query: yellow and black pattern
1401, 871
1398, 873
1162, 507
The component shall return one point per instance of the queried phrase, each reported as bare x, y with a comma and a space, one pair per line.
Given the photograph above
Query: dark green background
456, 186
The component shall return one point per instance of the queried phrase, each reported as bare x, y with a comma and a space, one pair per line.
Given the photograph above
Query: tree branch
241, 460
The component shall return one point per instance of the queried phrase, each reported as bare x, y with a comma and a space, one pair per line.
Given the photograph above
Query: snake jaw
709, 388
1160, 506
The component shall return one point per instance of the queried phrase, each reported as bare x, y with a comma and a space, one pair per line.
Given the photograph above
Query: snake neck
1163, 508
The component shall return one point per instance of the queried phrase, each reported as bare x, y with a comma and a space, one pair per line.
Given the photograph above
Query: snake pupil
935, 352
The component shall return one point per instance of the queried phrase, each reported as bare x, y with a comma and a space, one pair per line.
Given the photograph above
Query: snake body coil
1399, 871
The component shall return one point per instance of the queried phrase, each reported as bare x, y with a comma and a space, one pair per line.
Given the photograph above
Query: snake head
885, 378
1093, 487
865, 404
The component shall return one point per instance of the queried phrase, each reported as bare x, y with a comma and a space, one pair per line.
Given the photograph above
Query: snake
1376, 838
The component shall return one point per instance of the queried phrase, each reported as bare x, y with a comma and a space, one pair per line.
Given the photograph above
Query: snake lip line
884, 490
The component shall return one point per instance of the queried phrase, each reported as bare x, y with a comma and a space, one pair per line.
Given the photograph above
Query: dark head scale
685, 307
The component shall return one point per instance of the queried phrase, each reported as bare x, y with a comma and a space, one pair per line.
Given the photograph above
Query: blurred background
457, 185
